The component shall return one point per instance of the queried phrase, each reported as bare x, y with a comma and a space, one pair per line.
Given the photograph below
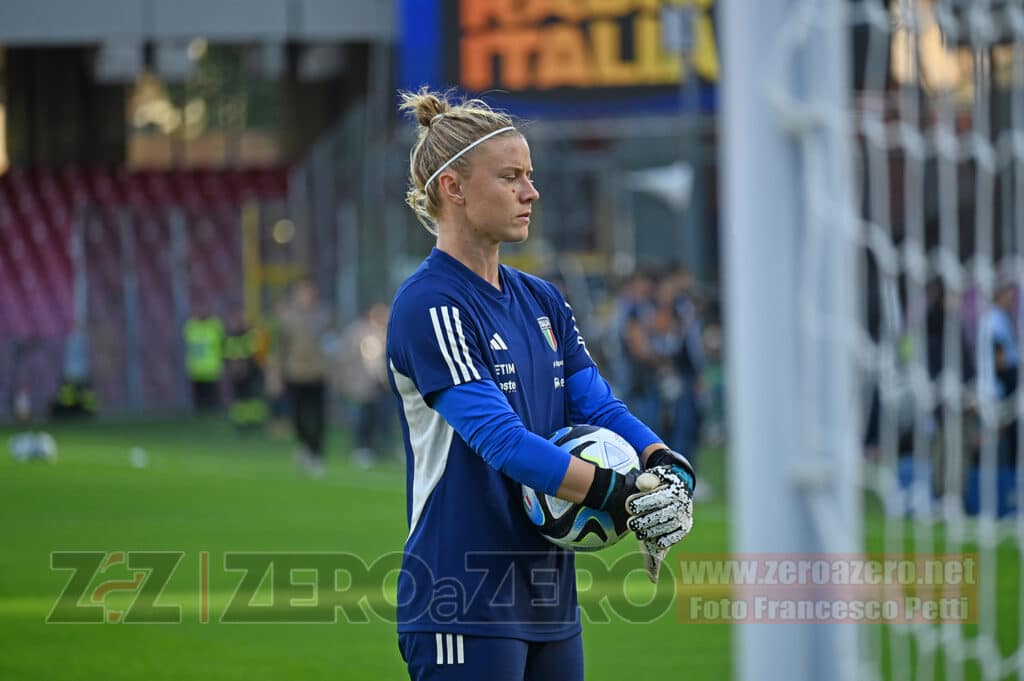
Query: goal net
873, 175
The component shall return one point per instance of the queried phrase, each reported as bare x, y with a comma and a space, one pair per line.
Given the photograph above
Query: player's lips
524, 216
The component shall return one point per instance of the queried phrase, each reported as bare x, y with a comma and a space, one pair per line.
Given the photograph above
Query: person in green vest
248, 408
204, 358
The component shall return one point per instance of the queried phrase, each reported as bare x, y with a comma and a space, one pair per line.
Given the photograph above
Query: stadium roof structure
72, 22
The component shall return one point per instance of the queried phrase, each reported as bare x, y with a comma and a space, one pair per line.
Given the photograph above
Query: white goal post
873, 198
787, 193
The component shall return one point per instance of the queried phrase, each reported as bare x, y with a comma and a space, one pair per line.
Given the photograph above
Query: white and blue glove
656, 505
677, 463
661, 511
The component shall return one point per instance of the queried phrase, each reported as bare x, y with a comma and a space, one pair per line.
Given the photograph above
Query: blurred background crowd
298, 368
219, 226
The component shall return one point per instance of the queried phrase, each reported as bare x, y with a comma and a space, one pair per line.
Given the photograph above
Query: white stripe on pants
450, 648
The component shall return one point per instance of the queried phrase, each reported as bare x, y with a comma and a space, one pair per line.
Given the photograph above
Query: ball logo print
574, 526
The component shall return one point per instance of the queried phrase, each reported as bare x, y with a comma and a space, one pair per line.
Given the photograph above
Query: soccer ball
574, 526
33, 447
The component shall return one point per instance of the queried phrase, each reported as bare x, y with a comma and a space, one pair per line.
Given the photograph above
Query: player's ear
451, 188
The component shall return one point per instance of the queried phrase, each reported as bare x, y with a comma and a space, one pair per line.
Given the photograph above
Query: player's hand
665, 515
656, 505
661, 511
679, 464
623, 487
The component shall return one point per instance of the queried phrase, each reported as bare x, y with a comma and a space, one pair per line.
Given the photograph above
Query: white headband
456, 156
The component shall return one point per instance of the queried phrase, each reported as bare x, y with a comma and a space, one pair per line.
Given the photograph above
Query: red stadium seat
38, 212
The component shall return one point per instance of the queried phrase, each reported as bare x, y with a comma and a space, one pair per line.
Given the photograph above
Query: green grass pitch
208, 491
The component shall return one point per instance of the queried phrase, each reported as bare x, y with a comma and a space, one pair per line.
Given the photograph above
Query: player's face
499, 192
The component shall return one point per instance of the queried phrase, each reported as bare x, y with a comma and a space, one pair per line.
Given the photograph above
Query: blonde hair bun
424, 105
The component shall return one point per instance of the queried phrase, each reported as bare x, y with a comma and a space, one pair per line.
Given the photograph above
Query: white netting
933, 117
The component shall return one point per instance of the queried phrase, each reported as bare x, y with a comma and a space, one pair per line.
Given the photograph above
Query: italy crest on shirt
549, 335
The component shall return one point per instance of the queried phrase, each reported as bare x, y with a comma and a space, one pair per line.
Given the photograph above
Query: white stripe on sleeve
458, 649
443, 345
456, 353
440, 650
462, 341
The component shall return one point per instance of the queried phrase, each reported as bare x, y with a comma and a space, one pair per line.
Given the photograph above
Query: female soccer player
485, 362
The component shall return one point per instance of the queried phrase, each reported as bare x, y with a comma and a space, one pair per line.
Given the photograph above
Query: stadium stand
41, 209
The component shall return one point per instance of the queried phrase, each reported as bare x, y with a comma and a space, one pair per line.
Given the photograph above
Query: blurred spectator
678, 407
666, 346
661, 370
76, 355
635, 374
998, 361
28, 444
948, 474
713, 380
677, 291
75, 397
204, 360
939, 302
21, 406
248, 409
679, 285
998, 349
361, 378
304, 323
273, 381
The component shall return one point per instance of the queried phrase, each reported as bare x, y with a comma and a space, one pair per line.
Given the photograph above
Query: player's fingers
648, 482
686, 520
665, 534
638, 504
667, 540
666, 475
657, 531
656, 517
643, 502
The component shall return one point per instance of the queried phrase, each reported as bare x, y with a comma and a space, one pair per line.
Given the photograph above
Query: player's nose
531, 193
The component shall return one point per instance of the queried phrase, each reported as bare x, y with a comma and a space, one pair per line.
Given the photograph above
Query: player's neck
479, 256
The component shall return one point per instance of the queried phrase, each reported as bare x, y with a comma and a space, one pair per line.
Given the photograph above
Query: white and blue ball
33, 447
574, 526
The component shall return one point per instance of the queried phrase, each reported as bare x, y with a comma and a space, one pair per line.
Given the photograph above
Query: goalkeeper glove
654, 505
661, 512
610, 492
671, 481
677, 463
658, 511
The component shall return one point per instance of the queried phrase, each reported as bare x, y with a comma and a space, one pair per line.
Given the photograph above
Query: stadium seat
38, 213
75, 186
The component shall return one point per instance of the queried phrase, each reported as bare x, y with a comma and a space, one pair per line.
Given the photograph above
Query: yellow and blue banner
563, 58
